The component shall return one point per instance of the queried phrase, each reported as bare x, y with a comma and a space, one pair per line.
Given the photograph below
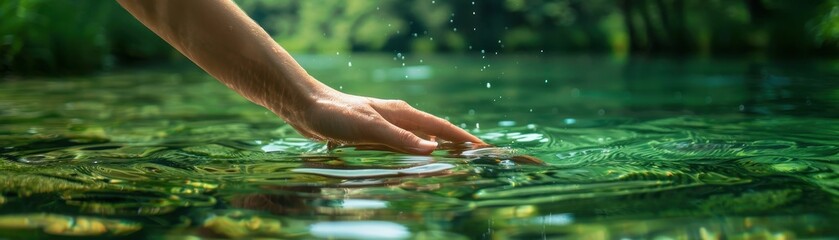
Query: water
585, 147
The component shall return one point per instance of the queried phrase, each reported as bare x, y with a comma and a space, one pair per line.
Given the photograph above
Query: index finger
412, 119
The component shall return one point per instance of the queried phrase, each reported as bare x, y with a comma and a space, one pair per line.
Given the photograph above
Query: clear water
586, 147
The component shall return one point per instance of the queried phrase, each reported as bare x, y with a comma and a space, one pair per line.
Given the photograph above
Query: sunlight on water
583, 156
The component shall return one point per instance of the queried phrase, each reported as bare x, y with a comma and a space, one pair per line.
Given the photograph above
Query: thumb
402, 140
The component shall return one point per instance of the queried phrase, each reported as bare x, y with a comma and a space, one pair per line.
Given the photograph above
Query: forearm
221, 39
225, 42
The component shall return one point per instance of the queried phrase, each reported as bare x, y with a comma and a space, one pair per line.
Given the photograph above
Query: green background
87, 36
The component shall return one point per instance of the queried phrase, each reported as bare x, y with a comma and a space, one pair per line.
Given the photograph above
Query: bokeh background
43, 37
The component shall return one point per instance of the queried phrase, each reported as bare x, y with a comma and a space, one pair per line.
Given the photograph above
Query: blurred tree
826, 24
70, 37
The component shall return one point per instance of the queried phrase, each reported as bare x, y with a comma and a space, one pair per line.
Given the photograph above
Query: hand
245, 58
348, 119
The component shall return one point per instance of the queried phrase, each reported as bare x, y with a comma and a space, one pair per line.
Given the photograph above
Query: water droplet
420, 60
489, 85
415, 34
482, 51
742, 107
541, 51
433, 2
341, 87
499, 41
470, 47
451, 20
403, 64
473, 3
473, 13
337, 53
349, 64
546, 80
431, 38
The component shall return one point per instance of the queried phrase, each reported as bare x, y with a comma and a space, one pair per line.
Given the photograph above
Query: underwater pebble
238, 225
68, 225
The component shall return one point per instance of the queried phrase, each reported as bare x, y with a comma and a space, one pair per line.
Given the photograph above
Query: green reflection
635, 148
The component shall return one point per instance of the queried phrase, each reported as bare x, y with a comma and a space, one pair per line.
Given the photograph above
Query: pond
585, 147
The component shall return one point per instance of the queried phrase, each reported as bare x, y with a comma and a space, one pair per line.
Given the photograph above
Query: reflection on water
638, 155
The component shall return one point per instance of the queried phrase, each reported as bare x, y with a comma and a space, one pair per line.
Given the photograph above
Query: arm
221, 39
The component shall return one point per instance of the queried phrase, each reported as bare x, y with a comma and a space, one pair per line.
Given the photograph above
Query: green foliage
69, 37
826, 24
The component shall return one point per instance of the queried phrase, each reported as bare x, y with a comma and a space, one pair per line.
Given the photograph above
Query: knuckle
400, 103
406, 138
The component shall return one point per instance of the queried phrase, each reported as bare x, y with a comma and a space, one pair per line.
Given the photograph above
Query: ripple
359, 230
368, 173
134, 202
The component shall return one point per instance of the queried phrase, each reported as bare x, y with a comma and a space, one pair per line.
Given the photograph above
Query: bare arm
225, 42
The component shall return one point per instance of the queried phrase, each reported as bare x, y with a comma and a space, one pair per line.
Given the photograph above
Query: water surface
585, 147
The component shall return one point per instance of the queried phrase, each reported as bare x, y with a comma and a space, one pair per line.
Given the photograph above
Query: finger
377, 147
401, 140
403, 115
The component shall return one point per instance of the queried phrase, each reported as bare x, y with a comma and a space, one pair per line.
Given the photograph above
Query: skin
221, 39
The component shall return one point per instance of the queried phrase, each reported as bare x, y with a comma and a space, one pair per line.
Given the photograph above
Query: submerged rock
237, 225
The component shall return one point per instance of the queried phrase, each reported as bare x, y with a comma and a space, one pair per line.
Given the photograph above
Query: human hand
348, 119
248, 60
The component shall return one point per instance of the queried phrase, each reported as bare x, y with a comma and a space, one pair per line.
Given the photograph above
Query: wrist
296, 99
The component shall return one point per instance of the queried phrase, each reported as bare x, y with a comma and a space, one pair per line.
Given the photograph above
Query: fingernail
425, 146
